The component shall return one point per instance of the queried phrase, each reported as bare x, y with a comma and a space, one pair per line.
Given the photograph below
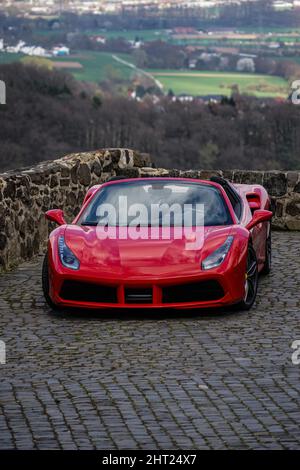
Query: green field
144, 34
98, 66
205, 83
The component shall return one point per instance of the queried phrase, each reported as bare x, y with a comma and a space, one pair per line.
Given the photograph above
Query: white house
60, 51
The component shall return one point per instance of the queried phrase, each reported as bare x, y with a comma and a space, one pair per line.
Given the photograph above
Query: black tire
45, 283
251, 281
268, 263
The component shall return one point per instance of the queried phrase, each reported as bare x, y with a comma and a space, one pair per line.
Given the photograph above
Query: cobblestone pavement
149, 381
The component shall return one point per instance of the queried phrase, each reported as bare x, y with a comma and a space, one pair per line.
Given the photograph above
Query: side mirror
259, 216
56, 215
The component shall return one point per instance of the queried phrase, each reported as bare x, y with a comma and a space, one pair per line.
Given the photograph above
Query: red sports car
160, 243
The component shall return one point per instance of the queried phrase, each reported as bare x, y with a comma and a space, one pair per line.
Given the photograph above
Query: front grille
87, 292
195, 292
138, 296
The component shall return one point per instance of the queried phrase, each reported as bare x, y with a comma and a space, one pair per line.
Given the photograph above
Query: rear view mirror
259, 216
56, 215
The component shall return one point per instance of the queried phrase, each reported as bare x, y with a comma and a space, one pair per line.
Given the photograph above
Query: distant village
50, 7
178, 47
21, 47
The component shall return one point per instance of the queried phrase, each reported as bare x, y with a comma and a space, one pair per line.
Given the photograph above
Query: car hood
179, 254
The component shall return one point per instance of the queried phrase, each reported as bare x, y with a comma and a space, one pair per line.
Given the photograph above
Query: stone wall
25, 195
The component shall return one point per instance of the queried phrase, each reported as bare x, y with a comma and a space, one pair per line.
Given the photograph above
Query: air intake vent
196, 292
87, 292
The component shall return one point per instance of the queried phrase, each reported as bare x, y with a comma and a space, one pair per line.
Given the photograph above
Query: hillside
49, 114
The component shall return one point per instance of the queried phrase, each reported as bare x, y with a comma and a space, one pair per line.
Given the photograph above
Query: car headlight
217, 257
66, 256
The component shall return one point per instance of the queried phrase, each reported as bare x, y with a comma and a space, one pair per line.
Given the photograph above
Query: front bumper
211, 289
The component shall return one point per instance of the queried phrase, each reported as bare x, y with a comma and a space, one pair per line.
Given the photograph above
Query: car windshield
157, 204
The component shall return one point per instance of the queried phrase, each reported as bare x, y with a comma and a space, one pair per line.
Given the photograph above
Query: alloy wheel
251, 277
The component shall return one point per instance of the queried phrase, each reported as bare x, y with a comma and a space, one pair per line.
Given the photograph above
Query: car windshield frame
84, 221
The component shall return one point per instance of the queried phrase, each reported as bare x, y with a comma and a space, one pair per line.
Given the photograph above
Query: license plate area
138, 295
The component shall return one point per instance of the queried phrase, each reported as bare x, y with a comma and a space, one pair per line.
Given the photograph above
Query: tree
246, 65
208, 155
38, 62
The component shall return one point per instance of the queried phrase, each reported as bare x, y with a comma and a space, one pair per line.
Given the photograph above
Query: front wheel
251, 281
45, 283
268, 255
